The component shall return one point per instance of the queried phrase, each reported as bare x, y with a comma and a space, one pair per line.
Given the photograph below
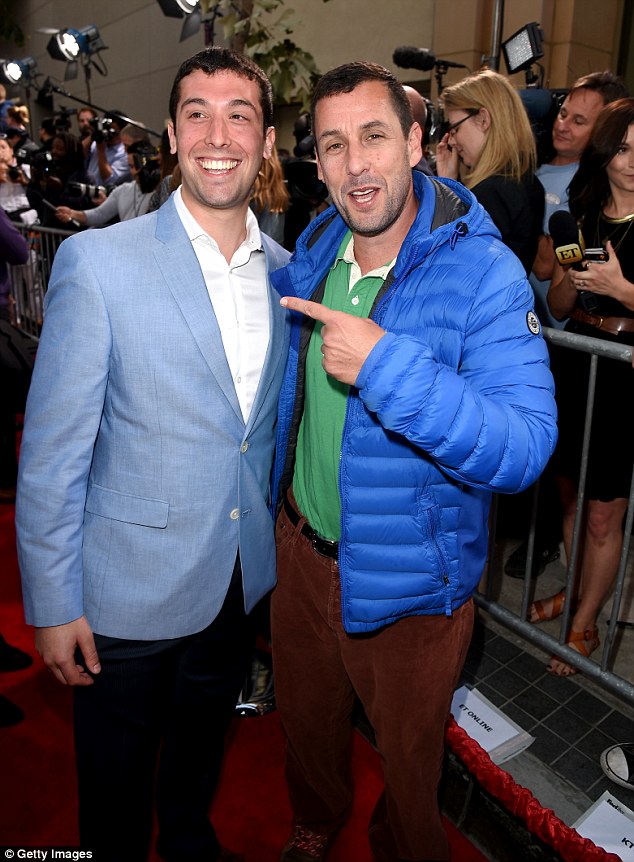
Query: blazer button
235, 514
244, 447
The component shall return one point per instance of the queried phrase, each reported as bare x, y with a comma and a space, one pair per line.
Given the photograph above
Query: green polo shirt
316, 477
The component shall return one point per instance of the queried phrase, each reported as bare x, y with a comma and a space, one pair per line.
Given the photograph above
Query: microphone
570, 249
408, 57
567, 240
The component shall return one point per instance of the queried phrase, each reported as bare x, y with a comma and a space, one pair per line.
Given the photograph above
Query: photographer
60, 178
107, 163
126, 201
13, 180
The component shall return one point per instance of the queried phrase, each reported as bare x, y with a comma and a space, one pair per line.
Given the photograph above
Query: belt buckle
600, 323
323, 547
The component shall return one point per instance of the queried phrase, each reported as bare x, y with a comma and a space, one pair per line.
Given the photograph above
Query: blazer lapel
178, 262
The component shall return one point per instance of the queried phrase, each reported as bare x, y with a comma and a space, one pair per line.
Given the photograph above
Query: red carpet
251, 813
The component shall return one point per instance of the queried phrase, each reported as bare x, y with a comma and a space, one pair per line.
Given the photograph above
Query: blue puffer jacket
453, 403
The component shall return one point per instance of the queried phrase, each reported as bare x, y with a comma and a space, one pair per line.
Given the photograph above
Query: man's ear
171, 131
320, 174
269, 142
415, 144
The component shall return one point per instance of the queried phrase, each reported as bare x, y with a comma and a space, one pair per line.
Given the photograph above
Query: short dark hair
49, 125
346, 78
213, 60
609, 86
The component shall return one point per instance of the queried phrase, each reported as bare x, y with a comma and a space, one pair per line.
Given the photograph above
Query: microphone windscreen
566, 238
409, 57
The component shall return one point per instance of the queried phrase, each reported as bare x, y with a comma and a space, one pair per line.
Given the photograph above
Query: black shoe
515, 566
10, 714
7, 495
617, 762
12, 658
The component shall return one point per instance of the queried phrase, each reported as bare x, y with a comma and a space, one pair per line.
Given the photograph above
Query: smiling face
620, 169
366, 161
573, 126
220, 140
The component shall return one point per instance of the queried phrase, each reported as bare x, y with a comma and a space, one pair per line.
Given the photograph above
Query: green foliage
255, 28
8, 28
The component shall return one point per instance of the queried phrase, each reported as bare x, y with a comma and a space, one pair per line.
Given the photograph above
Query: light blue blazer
139, 480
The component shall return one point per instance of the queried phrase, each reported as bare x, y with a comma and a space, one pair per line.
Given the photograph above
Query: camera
62, 119
85, 190
146, 161
14, 174
42, 161
103, 129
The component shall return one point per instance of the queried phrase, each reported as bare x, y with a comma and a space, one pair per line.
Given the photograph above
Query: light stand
55, 88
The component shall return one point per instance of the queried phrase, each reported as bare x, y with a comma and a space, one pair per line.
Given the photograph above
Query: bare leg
602, 549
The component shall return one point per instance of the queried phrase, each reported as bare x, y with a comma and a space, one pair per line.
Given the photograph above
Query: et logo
567, 254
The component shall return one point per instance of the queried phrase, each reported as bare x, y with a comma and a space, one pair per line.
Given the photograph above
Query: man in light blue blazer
145, 536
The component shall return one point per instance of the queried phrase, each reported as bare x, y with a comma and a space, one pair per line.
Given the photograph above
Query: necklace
618, 225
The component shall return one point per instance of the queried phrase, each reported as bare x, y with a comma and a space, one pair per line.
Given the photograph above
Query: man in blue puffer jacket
417, 385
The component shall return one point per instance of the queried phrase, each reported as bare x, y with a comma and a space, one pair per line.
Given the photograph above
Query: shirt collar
253, 240
346, 254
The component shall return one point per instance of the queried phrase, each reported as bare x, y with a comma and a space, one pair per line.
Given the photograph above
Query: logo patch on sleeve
533, 323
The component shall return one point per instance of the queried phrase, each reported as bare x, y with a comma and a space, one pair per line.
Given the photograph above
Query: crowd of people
339, 421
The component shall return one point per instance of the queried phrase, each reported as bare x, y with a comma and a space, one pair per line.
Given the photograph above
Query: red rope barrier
519, 801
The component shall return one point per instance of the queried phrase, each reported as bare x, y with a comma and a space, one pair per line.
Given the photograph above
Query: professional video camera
146, 161
62, 118
103, 129
85, 190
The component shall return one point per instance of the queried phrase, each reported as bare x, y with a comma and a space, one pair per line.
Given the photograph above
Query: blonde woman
489, 145
271, 198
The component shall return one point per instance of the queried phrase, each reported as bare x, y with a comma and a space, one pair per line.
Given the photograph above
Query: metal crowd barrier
30, 280
29, 283
600, 671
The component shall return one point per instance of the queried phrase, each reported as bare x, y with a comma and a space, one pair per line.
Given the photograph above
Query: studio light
68, 44
177, 8
19, 71
523, 48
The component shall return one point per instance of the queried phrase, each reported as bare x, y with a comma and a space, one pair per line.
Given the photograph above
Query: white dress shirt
240, 299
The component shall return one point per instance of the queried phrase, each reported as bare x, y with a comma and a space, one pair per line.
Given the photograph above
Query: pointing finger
310, 309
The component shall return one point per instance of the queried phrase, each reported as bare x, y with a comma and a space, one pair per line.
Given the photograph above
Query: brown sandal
547, 609
584, 642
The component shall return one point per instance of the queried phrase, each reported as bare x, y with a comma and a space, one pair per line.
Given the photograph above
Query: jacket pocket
126, 507
429, 515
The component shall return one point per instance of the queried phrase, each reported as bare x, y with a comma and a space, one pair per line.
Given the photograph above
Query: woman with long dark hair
599, 301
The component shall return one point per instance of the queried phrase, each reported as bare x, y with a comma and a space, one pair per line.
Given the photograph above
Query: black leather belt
320, 545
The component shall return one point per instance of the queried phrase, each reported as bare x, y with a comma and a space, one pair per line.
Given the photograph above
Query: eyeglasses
453, 127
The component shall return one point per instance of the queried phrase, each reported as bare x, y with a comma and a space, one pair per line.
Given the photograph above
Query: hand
57, 645
65, 214
346, 340
605, 279
447, 163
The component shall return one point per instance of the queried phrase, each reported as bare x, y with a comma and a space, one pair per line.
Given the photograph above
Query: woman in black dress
600, 303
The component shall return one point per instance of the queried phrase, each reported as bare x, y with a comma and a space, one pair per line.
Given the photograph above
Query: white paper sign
610, 824
500, 737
